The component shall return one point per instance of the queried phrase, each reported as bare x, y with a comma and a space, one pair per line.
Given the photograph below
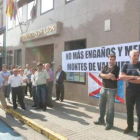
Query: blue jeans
41, 95
107, 96
6, 91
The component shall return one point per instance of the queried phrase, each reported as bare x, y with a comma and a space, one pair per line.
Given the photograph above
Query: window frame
21, 17
31, 9
76, 82
45, 11
8, 18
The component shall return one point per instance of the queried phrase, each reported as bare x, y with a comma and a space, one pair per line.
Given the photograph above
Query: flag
11, 9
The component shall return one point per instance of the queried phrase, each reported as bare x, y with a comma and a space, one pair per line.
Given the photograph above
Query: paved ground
7, 133
75, 121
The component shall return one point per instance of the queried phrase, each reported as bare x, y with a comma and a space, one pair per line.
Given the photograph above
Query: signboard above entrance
52, 29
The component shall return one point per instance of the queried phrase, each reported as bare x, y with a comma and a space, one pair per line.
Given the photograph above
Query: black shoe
127, 130
56, 99
108, 127
14, 107
44, 109
38, 108
99, 123
50, 106
61, 100
24, 108
34, 106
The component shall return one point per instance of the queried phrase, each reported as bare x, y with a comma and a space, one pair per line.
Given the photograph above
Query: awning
2, 30
23, 2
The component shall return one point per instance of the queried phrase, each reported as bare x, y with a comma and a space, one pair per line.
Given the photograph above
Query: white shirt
33, 80
24, 77
57, 75
15, 81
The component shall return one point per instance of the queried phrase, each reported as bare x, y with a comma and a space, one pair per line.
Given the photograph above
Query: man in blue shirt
131, 74
2, 98
5, 74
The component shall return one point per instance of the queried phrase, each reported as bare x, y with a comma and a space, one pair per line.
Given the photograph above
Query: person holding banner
109, 75
131, 74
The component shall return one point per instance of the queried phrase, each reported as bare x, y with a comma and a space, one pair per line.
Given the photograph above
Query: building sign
53, 29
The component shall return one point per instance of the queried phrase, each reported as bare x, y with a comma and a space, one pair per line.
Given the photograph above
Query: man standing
41, 80
5, 74
2, 98
60, 79
27, 72
15, 80
109, 75
131, 74
50, 85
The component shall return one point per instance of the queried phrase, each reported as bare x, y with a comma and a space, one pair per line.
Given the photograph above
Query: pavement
72, 120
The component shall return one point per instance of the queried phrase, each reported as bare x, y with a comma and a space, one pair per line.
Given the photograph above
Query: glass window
46, 5
76, 77
10, 23
30, 7
19, 16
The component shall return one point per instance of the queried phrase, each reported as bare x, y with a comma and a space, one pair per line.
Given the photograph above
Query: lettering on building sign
38, 33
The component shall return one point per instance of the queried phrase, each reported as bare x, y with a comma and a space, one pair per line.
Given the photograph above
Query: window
30, 7
76, 77
19, 16
10, 57
67, 1
10, 23
46, 5
18, 57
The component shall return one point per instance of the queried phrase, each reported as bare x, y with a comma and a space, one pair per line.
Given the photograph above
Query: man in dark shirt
109, 75
131, 74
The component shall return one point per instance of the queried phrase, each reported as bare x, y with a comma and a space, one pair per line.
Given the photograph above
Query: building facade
43, 29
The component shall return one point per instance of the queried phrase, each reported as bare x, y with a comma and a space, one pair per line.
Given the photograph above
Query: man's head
111, 59
12, 66
39, 66
15, 72
47, 66
134, 56
33, 70
59, 68
4, 67
27, 66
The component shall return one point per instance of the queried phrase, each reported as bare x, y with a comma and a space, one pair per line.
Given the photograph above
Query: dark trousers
49, 93
23, 89
60, 91
41, 96
16, 91
34, 95
132, 98
29, 85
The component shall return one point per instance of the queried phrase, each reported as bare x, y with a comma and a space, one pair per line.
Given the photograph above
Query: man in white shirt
41, 79
16, 80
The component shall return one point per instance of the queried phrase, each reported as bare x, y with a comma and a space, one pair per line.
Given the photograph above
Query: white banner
93, 59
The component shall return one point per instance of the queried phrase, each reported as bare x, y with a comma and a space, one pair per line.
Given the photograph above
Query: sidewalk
74, 121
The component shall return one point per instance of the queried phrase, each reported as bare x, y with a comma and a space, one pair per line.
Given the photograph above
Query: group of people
39, 83
130, 72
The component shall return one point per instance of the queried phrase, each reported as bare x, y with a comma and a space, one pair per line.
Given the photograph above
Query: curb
39, 128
